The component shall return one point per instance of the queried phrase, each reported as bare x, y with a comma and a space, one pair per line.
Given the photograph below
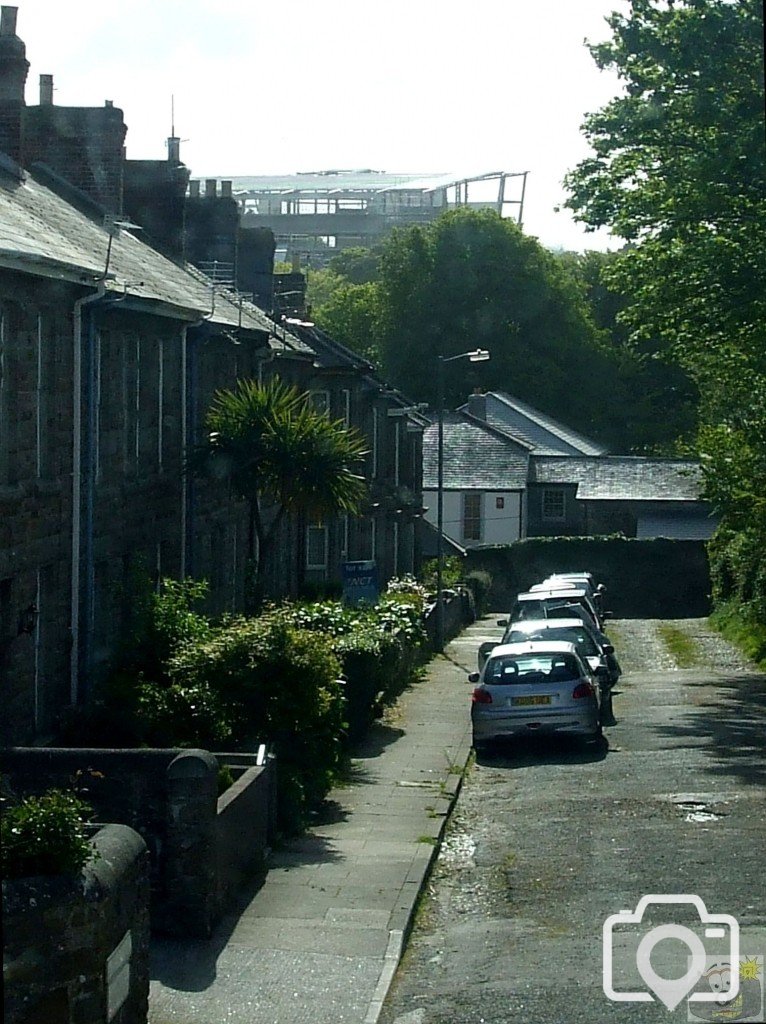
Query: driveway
548, 841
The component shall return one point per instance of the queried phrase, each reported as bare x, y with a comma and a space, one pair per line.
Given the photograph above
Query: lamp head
479, 355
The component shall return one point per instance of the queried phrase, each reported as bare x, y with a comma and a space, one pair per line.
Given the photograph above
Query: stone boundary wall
457, 612
652, 579
170, 797
76, 949
245, 822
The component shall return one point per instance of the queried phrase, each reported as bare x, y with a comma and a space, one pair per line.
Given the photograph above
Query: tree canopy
679, 170
280, 455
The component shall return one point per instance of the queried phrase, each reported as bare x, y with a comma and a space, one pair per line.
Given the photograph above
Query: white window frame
310, 529
548, 494
320, 400
346, 393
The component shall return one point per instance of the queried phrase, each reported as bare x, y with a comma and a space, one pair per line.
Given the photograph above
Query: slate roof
621, 477
683, 525
40, 232
476, 456
546, 435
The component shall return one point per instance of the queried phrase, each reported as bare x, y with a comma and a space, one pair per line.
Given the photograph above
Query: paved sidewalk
320, 939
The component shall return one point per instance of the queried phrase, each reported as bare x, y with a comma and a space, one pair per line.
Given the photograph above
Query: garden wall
76, 949
660, 578
170, 797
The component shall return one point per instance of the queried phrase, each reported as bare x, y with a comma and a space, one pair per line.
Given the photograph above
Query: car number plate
542, 699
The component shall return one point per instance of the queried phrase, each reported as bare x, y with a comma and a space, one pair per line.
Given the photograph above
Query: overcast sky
400, 85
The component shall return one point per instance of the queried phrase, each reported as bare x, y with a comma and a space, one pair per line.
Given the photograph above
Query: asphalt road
546, 842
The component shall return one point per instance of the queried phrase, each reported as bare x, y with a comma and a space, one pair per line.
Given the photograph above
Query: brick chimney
14, 68
477, 405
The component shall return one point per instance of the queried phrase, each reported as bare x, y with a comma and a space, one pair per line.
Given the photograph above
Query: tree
679, 170
351, 316
473, 280
280, 456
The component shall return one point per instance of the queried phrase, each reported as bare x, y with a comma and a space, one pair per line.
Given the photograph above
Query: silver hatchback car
534, 687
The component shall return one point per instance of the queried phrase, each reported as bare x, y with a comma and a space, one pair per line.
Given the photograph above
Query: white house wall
498, 525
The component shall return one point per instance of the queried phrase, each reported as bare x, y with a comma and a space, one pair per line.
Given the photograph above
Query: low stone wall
76, 949
458, 612
170, 797
245, 822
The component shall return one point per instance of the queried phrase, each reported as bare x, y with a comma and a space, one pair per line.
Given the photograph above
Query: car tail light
481, 696
582, 690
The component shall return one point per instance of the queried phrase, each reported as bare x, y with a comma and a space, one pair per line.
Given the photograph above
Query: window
316, 547
367, 538
346, 394
472, 516
374, 442
320, 401
554, 508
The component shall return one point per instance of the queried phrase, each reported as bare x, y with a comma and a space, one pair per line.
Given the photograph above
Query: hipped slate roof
546, 435
40, 232
621, 477
476, 456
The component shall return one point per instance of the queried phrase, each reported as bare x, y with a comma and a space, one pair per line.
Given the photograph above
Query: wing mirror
473, 677
502, 622
608, 649
607, 615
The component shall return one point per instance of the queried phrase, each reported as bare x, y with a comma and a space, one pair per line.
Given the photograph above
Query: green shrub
284, 683
45, 835
452, 572
479, 582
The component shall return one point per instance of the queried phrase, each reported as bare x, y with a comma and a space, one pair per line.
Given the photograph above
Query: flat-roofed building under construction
315, 214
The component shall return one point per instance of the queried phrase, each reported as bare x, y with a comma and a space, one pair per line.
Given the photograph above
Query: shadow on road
733, 721
521, 753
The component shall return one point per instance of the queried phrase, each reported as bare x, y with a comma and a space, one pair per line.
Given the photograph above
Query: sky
401, 85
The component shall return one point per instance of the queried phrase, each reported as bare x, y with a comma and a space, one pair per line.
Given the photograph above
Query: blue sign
360, 582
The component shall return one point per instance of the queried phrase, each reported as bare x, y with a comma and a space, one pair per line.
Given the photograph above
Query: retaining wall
200, 846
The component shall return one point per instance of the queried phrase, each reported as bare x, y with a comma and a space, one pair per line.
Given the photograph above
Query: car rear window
531, 669
580, 637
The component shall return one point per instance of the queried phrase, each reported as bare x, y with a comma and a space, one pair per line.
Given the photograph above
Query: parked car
534, 687
591, 644
583, 579
535, 604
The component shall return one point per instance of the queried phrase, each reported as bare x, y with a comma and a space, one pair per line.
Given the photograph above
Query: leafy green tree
280, 456
473, 280
357, 265
351, 316
678, 169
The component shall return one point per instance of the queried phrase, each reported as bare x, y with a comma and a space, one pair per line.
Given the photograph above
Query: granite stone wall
76, 949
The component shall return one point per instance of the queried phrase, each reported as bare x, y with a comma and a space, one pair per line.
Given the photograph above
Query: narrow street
548, 841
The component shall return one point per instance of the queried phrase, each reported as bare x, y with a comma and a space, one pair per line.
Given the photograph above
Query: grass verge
738, 625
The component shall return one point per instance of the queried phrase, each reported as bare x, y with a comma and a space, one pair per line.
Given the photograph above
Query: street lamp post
478, 355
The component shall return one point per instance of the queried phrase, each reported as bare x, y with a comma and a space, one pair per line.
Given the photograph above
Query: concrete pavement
318, 940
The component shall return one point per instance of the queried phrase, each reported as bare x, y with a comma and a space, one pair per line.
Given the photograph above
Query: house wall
572, 524
498, 525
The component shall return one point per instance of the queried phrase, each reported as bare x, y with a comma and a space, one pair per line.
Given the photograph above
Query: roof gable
546, 435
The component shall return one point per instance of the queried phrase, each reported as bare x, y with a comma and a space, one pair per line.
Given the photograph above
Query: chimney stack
14, 68
8, 17
46, 90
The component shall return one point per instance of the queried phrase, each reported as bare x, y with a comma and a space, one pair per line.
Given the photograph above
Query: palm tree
281, 456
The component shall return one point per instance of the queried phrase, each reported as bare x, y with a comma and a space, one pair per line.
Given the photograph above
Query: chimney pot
211, 187
108, 103
46, 90
194, 190
226, 187
174, 149
8, 21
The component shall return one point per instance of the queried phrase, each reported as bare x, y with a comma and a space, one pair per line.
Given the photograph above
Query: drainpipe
76, 655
